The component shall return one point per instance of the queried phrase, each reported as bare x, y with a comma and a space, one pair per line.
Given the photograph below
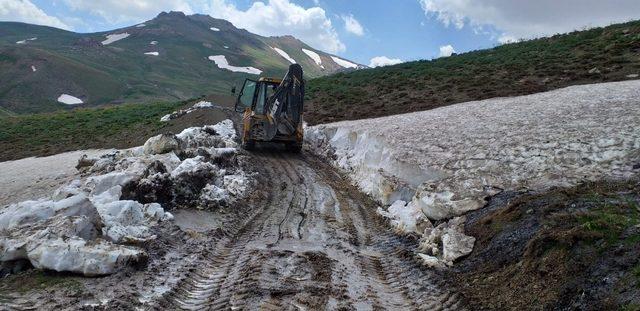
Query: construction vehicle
273, 110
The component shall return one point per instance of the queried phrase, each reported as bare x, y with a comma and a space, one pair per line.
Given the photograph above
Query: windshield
266, 91
246, 95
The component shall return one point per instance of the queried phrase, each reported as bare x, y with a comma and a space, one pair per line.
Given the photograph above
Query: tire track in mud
315, 243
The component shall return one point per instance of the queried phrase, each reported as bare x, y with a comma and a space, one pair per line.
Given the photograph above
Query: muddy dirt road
315, 243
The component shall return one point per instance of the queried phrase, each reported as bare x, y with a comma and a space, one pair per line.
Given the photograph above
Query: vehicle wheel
294, 147
248, 145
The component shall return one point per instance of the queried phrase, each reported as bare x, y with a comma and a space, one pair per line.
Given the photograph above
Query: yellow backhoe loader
273, 110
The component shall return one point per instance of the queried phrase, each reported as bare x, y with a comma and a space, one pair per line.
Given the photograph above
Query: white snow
314, 56
34, 69
182, 112
226, 47
25, 41
141, 25
344, 63
215, 29
69, 100
222, 63
153, 42
443, 163
79, 228
152, 53
203, 104
284, 54
115, 37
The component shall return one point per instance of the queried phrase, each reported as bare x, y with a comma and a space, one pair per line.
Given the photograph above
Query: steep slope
592, 56
166, 58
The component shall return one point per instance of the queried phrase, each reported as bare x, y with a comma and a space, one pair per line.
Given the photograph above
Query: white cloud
529, 19
352, 25
281, 17
447, 50
26, 12
380, 61
118, 11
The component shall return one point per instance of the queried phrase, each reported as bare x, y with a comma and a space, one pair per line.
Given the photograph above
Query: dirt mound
569, 248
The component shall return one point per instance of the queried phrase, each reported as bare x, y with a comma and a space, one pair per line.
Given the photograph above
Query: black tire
249, 145
293, 147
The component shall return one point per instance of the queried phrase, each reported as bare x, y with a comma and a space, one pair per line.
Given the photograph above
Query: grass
39, 280
507, 70
109, 127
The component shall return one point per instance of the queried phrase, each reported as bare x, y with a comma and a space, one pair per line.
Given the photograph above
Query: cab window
245, 100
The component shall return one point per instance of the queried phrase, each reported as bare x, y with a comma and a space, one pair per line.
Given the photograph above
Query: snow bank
115, 37
314, 56
344, 63
152, 53
214, 29
222, 63
439, 164
69, 100
182, 112
284, 54
124, 194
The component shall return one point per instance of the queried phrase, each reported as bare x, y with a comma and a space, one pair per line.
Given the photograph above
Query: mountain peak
172, 14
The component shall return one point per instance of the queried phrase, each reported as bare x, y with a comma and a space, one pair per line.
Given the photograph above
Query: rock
161, 144
633, 76
594, 70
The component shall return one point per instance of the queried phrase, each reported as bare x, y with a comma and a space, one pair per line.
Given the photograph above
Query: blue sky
357, 30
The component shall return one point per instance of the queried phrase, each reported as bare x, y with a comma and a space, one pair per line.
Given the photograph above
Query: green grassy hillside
596, 55
80, 65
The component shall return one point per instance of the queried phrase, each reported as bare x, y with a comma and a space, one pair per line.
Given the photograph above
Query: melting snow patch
284, 54
314, 56
222, 62
153, 42
214, 29
69, 100
226, 47
25, 41
182, 112
115, 37
34, 69
152, 53
344, 63
141, 25
82, 226
441, 169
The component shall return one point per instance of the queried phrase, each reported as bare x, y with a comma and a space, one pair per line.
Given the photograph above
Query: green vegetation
79, 65
119, 126
39, 280
591, 56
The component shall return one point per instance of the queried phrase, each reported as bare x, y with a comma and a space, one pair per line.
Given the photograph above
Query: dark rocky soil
565, 249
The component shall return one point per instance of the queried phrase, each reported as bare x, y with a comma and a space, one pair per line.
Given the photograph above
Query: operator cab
254, 95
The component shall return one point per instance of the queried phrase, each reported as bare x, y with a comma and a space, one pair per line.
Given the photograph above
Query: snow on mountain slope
115, 37
222, 62
69, 100
344, 63
314, 56
439, 164
284, 54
